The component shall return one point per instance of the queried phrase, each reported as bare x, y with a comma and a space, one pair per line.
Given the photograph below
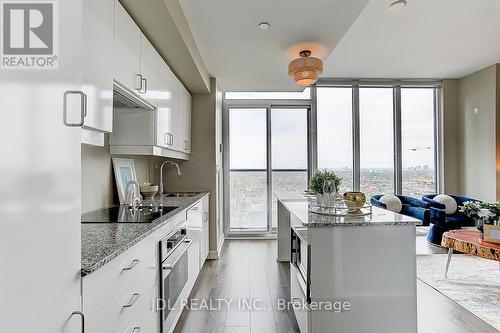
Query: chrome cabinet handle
205, 216
138, 82
132, 301
166, 139
82, 316
144, 87
170, 267
83, 107
185, 144
172, 142
132, 265
136, 329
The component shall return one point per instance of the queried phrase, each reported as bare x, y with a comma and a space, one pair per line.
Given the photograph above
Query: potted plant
482, 213
317, 184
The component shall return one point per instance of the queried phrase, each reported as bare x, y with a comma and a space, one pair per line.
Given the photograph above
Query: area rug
472, 282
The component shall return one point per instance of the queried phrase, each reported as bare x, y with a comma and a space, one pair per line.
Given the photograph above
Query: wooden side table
468, 242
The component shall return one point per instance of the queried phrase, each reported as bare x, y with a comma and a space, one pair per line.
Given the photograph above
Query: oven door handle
171, 266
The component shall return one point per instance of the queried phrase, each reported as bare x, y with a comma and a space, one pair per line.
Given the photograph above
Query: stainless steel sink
180, 194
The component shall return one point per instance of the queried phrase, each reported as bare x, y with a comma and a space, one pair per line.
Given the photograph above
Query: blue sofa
442, 222
413, 207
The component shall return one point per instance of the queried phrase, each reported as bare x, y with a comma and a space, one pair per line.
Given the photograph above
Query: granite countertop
102, 242
299, 208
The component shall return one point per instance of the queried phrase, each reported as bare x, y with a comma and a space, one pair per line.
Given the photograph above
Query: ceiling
357, 39
244, 58
426, 39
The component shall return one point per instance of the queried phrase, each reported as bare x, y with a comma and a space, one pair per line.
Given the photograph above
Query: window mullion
398, 151
356, 138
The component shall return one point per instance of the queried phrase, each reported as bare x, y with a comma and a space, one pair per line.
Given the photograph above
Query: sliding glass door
248, 183
267, 153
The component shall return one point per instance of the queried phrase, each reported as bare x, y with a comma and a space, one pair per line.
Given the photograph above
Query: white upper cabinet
149, 71
167, 106
184, 120
165, 131
97, 62
127, 52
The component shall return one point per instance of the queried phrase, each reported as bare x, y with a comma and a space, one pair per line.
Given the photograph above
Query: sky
334, 105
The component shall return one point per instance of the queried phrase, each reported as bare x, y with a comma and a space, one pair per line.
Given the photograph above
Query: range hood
123, 99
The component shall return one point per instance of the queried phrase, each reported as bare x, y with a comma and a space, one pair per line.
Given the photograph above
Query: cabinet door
97, 71
167, 106
127, 51
40, 235
205, 234
184, 122
149, 71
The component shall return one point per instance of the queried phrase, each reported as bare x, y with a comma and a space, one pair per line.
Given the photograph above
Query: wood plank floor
248, 269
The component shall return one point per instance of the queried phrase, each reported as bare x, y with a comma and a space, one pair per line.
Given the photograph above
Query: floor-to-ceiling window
376, 134
418, 143
380, 138
334, 132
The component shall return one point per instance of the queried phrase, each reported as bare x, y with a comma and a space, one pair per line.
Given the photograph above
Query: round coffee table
468, 242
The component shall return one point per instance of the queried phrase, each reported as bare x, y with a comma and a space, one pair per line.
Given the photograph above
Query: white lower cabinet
298, 297
121, 296
205, 234
198, 224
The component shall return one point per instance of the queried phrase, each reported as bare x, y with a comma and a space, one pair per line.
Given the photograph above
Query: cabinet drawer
144, 316
100, 286
135, 299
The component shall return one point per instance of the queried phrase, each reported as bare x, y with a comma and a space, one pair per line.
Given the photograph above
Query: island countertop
297, 205
102, 242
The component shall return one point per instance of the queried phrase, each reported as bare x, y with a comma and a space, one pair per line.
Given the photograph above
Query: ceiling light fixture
264, 26
397, 5
306, 69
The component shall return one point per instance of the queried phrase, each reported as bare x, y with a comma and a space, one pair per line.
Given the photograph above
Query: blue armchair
442, 222
413, 207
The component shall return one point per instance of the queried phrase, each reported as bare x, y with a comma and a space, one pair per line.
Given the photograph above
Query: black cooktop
123, 214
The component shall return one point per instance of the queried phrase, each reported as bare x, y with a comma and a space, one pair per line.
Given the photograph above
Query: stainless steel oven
173, 273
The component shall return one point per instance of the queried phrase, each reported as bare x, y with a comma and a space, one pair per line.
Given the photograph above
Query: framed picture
124, 172
492, 233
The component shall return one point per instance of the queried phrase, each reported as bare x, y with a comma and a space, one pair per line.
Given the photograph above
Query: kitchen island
349, 274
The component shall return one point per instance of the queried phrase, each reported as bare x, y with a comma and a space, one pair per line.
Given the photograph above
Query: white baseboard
214, 255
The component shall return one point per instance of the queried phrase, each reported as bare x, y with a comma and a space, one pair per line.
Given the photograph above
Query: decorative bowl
149, 191
355, 199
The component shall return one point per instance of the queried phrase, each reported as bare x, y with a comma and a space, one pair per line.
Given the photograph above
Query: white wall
478, 133
98, 179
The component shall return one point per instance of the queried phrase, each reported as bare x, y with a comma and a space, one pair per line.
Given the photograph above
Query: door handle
136, 329
82, 316
170, 267
138, 82
144, 86
132, 301
83, 107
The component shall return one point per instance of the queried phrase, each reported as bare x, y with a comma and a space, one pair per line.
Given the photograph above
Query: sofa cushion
392, 202
449, 202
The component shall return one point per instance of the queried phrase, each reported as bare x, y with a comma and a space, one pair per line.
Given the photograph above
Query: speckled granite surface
299, 208
102, 242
